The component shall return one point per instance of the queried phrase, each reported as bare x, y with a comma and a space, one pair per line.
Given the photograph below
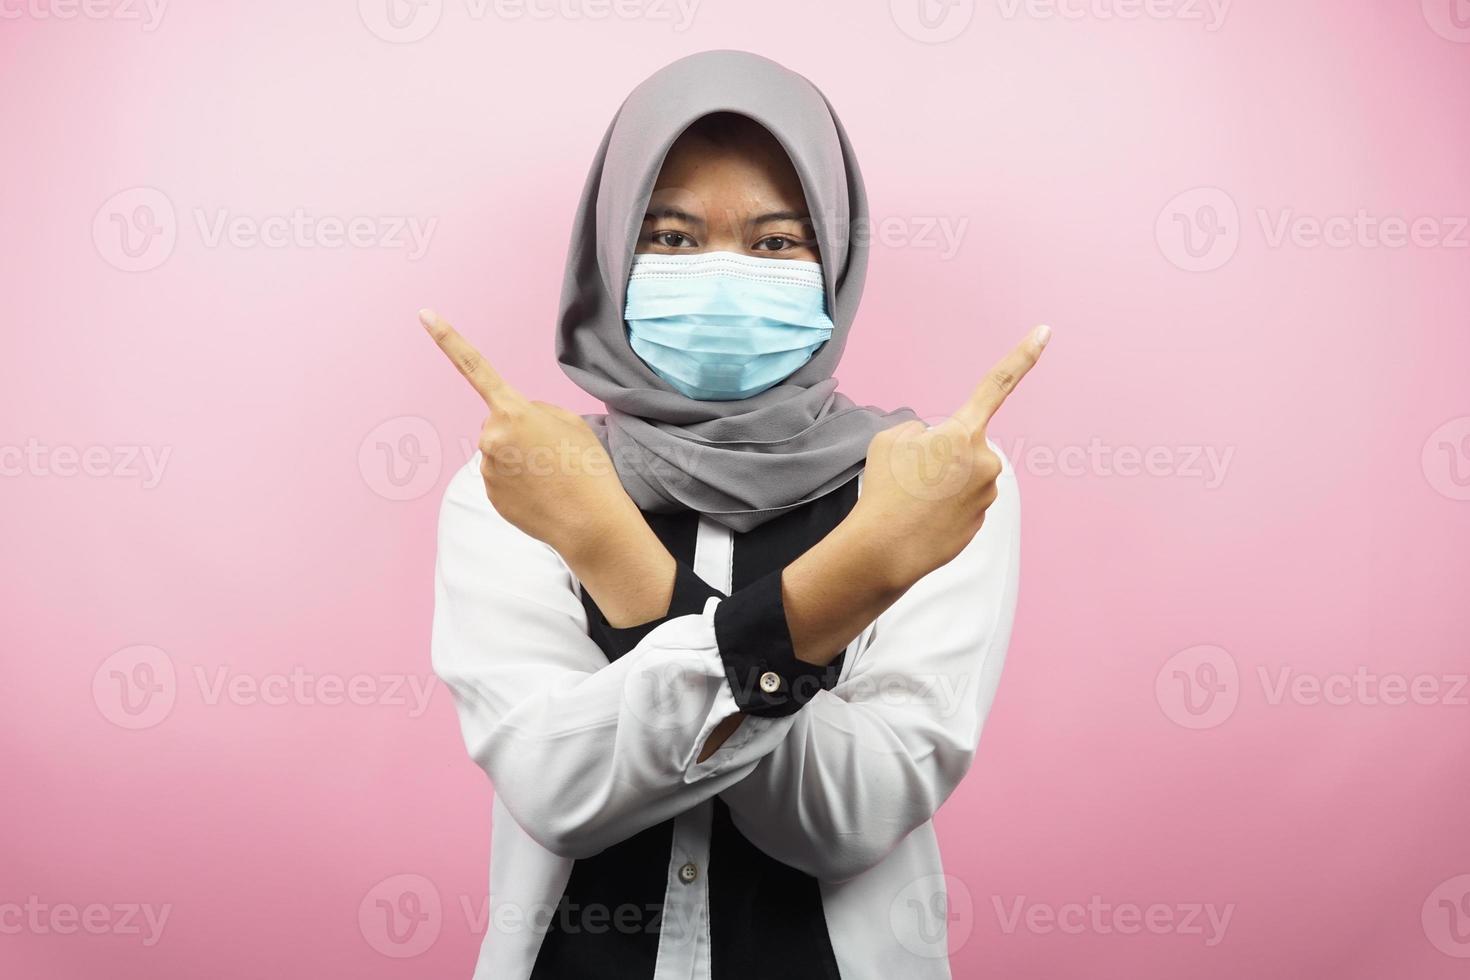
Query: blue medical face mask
719, 326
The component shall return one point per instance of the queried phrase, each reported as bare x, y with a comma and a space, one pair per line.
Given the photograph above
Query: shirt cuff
755, 645
689, 596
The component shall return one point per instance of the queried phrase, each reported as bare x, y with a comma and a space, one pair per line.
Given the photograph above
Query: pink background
1140, 751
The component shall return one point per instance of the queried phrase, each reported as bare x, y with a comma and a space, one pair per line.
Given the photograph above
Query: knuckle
492, 438
910, 430
1003, 380
987, 465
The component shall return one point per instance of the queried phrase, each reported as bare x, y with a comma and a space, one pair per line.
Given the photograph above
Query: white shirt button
689, 872
770, 682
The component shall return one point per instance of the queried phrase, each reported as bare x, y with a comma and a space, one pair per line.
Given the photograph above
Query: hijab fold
743, 462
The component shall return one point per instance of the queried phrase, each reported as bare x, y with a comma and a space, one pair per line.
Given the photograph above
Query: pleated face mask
720, 326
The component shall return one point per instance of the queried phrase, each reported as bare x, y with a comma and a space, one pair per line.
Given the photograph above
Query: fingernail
1042, 335
427, 317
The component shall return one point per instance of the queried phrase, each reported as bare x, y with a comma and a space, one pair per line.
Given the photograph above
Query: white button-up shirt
583, 753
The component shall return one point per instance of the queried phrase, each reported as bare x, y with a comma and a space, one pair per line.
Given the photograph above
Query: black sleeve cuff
689, 596
755, 644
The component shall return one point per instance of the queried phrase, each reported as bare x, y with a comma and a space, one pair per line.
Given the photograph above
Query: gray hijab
743, 462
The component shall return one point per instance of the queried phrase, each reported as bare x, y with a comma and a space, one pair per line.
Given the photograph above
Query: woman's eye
672, 239
776, 243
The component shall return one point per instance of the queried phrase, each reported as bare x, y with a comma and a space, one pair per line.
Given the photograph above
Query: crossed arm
585, 753
662, 727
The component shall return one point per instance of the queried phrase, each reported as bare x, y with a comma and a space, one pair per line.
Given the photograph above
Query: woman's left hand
546, 472
544, 469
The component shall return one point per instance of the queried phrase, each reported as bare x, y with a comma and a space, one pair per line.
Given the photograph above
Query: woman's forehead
698, 175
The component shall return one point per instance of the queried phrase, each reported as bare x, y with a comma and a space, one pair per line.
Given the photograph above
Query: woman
724, 650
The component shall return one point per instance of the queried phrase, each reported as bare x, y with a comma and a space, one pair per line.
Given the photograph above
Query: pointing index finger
471, 363
1002, 380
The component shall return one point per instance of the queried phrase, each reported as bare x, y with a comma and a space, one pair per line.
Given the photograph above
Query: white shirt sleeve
583, 753
868, 761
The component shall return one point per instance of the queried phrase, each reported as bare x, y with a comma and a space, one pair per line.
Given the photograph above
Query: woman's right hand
925, 493
926, 489
546, 473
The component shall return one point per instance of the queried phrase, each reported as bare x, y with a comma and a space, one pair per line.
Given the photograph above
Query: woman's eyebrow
781, 216
653, 214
